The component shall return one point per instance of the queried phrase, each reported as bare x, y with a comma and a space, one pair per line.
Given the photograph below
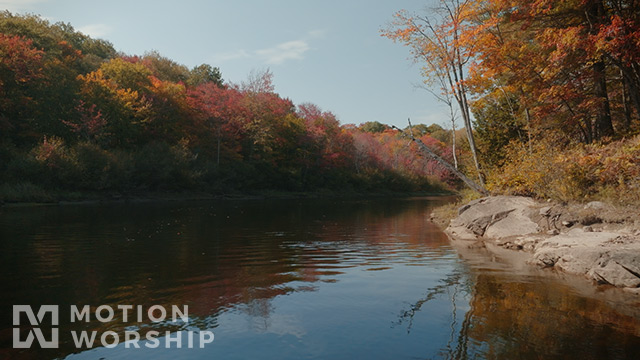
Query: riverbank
69, 198
597, 241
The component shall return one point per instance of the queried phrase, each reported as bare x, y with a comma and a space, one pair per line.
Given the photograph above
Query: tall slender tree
436, 43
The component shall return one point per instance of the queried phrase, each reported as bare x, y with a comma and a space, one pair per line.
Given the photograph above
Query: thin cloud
275, 55
231, 55
290, 50
95, 30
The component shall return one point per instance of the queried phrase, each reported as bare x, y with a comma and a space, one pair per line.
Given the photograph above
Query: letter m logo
35, 321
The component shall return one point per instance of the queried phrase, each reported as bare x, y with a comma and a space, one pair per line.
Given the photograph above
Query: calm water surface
294, 279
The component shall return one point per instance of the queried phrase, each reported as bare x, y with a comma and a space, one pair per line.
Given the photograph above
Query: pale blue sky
328, 52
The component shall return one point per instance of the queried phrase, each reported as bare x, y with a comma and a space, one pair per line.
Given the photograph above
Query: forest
547, 94
79, 118
553, 87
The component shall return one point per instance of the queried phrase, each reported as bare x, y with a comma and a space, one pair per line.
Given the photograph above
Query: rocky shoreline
597, 241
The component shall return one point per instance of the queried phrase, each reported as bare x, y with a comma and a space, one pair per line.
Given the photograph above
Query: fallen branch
470, 183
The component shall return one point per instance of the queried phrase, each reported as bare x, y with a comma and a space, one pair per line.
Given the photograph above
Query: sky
326, 52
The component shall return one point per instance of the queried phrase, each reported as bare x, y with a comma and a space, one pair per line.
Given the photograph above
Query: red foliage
20, 67
91, 123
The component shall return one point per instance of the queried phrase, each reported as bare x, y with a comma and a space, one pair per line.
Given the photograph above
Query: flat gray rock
512, 222
494, 217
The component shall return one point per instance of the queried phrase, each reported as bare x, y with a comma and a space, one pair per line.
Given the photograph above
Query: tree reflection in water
295, 279
511, 316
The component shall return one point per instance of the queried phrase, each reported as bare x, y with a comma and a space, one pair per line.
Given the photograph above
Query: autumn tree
436, 42
266, 108
119, 89
559, 60
47, 37
220, 117
20, 70
164, 68
76, 115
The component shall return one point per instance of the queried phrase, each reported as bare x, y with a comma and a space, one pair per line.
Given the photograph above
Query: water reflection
292, 278
530, 314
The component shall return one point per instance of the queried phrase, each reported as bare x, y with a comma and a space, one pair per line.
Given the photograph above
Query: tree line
76, 115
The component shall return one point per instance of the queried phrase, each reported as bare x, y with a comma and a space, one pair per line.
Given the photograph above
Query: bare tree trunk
218, 152
604, 126
470, 183
453, 132
528, 116
625, 103
453, 145
472, 142
634, 88
458, 70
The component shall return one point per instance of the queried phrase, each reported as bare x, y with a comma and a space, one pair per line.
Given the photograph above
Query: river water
288, 279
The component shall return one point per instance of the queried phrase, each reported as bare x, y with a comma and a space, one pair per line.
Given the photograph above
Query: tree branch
470, 183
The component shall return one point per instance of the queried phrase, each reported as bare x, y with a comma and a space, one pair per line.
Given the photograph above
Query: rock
463, 209
595, 205
547, 259
590, 219
494, 217
615, 274
528, 243
479, 225
606, 255
545, 211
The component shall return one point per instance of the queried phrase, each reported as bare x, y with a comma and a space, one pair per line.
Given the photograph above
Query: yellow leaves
126, 74
577, 173
113, 100
168, 88
132, 101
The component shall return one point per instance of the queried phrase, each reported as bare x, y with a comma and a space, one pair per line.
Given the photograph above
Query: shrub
580, 172
56, 165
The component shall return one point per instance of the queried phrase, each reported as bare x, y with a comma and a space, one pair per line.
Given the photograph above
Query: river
286, 279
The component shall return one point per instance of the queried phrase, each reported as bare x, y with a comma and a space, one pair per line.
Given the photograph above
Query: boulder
494, 217
578, 242
606, 257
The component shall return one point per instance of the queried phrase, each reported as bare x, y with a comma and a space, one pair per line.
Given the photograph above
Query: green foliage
102, 170
160, 166
203, 74
127, 75
165, 69
496, 126
437, 132
373, 127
